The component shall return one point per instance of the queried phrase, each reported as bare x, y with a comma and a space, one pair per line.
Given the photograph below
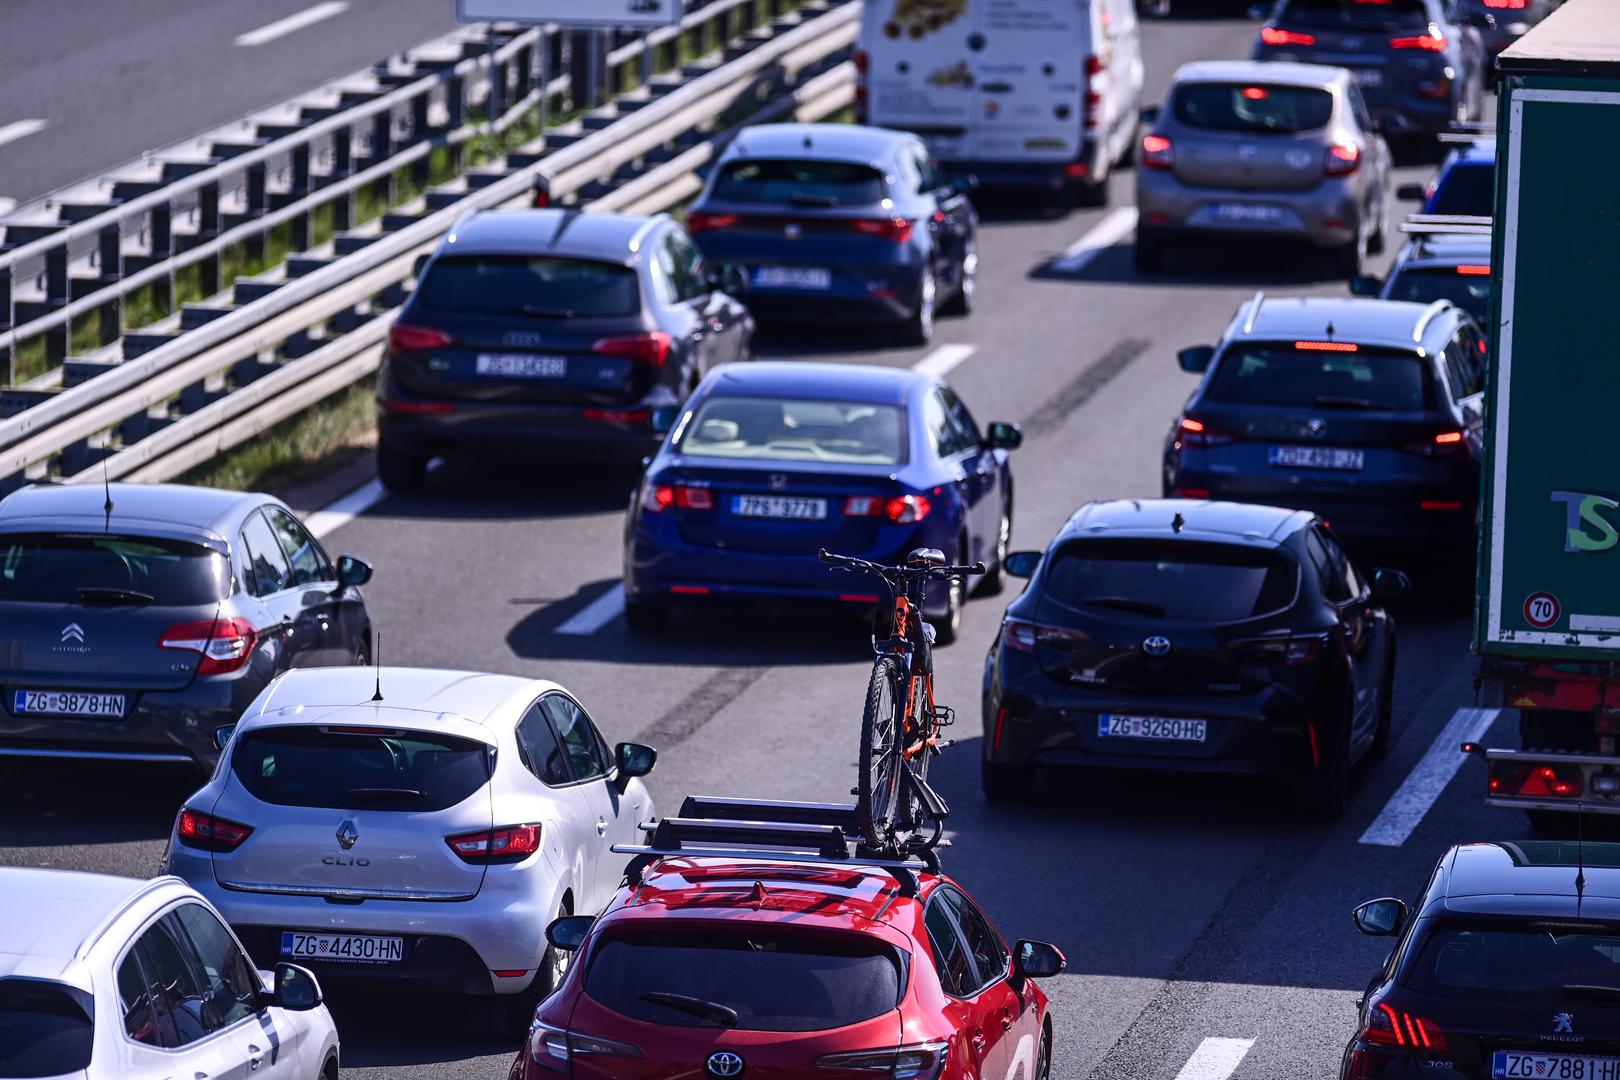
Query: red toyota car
750, 948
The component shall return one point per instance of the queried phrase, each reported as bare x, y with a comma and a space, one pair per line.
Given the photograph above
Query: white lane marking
1105, 234
1428, 778
596, 614
346, 509
18, 129
282, 27
943, 359
1215, 1059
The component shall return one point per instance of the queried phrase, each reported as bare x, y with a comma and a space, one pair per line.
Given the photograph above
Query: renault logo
73, 632
778, 481
1156, 645
347, 834
725, 1063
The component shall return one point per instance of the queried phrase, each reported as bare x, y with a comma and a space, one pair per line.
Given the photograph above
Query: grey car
138, 621
1276, 151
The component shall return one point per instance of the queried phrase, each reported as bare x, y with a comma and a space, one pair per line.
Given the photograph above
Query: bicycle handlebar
849, 562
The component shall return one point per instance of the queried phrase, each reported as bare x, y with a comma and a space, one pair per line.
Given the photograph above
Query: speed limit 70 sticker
1541, 610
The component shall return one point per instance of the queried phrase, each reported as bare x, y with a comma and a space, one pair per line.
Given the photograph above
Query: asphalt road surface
1206, 925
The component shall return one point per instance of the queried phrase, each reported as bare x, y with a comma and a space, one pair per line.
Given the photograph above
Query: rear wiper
1125, 603
104, 594
723, 1015
1330, 402
1583, 991
799, 198
383, 794
535, 311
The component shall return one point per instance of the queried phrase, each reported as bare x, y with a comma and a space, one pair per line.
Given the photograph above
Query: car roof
52, 914
456, 702
167, 508
1394, 324
828, 142
1476, 154
1281, 72
1533, 878
573, 233
810, 379
1201, 520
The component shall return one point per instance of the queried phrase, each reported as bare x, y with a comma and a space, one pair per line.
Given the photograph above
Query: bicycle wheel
882, 792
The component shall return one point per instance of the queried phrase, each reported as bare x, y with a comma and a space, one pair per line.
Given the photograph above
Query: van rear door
1030, 77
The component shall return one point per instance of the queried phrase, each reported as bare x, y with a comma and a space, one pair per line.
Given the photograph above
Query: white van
1031, 93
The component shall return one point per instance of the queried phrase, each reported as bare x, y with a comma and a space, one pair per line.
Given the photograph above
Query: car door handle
977, 1038
1006, 1018
255, 1058
601, 827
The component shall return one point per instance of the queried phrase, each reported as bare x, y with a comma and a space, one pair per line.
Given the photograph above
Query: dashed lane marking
1215, 1059
19, 129
269, 32
346, 509
1428, 778
943, 359
595, 615
1119, 224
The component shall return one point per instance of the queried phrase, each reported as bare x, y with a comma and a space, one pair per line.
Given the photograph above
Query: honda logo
73, 632
347, 834
1156, 645
778, 481
725, 1063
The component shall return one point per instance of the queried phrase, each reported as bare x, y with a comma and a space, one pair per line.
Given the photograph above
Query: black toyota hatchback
1510, 968
1169, 634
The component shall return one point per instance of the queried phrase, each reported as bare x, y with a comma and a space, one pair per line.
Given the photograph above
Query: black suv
550, 333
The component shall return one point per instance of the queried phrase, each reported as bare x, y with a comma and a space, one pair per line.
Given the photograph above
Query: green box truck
1547, 625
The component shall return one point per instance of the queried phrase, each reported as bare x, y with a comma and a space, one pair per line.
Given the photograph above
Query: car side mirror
420, 265
1411, 192
663, 418
1261, 11
1380, 918
1003, 435
352, 570
1036, 960
568, 933
1023, 564
1366, 285
1391, 584
1196, 359
222, 737
634, 759
296, 989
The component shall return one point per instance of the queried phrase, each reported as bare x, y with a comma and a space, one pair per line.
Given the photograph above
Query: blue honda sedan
769, 462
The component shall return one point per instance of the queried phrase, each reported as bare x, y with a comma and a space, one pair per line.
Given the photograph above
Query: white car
420, 841
104, 976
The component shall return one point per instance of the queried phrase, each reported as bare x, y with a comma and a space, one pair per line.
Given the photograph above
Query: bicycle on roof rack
901, 724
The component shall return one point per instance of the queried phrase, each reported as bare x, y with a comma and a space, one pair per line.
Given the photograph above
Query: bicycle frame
909, 641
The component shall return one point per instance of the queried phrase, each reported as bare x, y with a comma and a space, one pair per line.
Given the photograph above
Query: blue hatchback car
769, 462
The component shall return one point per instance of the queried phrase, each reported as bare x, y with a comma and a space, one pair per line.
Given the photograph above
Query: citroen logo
73, 632
1156, 645
1316, 427
778, 481
347, 834
725, 1063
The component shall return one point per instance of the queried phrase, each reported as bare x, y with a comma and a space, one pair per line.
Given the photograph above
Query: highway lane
111, 80
1190, 910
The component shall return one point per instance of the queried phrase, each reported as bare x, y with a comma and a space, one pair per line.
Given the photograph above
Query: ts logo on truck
1585, 529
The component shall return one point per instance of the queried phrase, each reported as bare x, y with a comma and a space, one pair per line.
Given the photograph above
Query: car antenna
376, 656
1178, 522
1330, 330
107, 506
1580, 857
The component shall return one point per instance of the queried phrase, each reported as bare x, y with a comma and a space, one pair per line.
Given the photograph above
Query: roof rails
1254, 312
769, 831
1435, 309
1455, 224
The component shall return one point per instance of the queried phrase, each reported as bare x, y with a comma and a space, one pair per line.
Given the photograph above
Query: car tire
1043, 1062
646, 616
1347, 260
918, 329
1386, 714
961, 301
996, 579
1326, 795
553, 966
1006, 783
400, 469
1375, 242
1088, 196
947, 630
1149, 253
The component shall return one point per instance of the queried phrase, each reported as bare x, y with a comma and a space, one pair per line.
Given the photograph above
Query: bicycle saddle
926, 557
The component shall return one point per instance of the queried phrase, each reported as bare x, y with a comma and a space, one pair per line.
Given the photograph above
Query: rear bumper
1054, 176
1325, 216
162, 727
529, 432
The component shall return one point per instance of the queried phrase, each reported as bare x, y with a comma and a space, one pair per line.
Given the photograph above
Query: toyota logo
73, 632
724, 1063
347, 834
1157, 645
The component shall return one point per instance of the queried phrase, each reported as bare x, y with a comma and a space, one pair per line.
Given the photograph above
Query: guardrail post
110, 255
56, 294
6, 321
160, 228
299, 227
342, 166
422, 167
381, 148
207, 229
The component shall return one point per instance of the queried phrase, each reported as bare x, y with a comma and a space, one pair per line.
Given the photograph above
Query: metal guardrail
59, 431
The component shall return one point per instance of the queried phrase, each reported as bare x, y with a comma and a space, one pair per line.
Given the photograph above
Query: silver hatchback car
1275, 150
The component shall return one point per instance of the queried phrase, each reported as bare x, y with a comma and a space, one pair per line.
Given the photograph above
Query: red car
766, 948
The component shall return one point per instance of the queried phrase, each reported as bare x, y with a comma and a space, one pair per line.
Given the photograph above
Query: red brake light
1023, 636
1272, 35
659, 497
694, 498
400, 406
199, 830
1387, 1026
1157, 153
1514, 5
1192, 432
863, 61
1325, 346
1341, 159
1447, 437
699, 222
656, 498
897, 230
1255, 93
509, 843
863, 506
1291, 651
1095, 64
224, 644
1441, 444
619, 416
1474, 271
403, 337
1426, 42
650, 348
907, 509
1536, 781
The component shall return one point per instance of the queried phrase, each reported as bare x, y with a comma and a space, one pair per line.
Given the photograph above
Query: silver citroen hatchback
1263, 150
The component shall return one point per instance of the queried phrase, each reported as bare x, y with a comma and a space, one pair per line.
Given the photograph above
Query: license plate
1247, 214
1159, 728
67, 703
522, 365
1369, 77
343, 948
793, 277
1507, 1064
1318, 457
779, 506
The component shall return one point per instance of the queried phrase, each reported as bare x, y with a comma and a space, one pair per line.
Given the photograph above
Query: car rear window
1355, 14
45, 1028
1252, 108
771, 981
60, 568
1465, 189
1426, 284
539, 285
1530, 963
804, 183
1337, 378
1180, 580
345, 767
779, 429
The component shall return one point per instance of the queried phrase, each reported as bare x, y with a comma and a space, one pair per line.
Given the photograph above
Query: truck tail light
196, 829
1529, 780
509, 843
1095, 66
223, 644
1157, 153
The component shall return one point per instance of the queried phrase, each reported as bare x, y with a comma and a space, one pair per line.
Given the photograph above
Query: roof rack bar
902, 870
1423, 228
674, 834
1449, 219
841, 815
1465, 138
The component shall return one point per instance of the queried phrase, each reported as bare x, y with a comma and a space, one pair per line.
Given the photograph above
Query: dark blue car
1464, 185
769, 462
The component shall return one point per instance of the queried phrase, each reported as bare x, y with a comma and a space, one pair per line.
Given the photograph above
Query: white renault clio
413, 829
104, 976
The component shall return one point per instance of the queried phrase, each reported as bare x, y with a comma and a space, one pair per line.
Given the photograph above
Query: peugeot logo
778, 481
73, 632
1156, 645
792, 232
347, 834
724, 1063
1564, 1023
1316, 427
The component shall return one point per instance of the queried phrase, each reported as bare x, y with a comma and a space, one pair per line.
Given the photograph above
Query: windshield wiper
106, 594
1327, 401
1125, 603
723, 1015
535, 311
1587, 992
383, 794
802, 198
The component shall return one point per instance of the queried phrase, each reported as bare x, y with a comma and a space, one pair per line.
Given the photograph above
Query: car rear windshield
61, 568
1532, 963
1299, 376
1253, 108
802, 183
1355, 14
537, 285
777, 429
45, 1028
1465, 189
1426, 284
347, 767
1180, 580
751, 981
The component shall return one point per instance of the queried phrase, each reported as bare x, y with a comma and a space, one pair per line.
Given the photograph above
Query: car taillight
1426, 42
1509, 5
1440, 444
1157, 153
1274, 35
659, 497
897, 230
404, 338
509, 843
1290, 651
1021, 636
1326, 346
863, 61
1473, 270
554, 1048
1341, 159
918, 1061
699, 222
650, 348
618, 416
1194, 432
1387, 1026
1536, 781
194, 828
1095, 66
907, 509
224, 644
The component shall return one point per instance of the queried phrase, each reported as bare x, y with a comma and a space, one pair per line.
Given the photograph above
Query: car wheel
646, 616
994, 581
400, 469
961, 303
1375, 242
1386, 713
1043, 1063
1326, 794
553, 966
946, 631
1006, 783
1149, 254
329, 1071
919, 328
1089, 195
